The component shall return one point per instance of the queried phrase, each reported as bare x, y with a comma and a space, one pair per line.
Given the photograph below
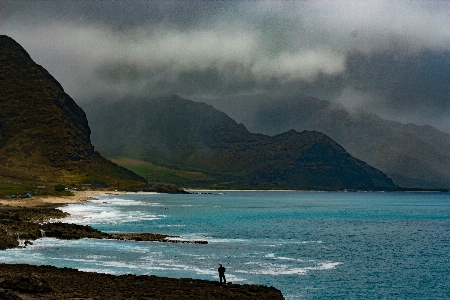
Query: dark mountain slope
414, 156
44, 134
178, 131
171, 129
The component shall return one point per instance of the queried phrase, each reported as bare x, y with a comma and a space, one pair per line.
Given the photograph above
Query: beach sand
37, 201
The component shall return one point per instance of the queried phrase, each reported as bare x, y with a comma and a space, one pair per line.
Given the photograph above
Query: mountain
413, 156
44, 134
183, 133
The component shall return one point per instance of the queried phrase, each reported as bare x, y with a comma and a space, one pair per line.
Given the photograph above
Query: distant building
86, 186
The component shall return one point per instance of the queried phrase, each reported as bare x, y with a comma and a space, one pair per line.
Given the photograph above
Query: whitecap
119, 264
106, 215
97, 257
97, 270
267, 268
272, 255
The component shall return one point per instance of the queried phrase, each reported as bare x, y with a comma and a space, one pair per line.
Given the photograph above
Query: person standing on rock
221, 270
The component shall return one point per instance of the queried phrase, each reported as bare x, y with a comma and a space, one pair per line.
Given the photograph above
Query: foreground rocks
45, 282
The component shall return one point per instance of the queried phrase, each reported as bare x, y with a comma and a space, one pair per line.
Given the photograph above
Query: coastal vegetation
157, 174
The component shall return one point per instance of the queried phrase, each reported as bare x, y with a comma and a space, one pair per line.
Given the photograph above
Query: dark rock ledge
28, 224
45, 282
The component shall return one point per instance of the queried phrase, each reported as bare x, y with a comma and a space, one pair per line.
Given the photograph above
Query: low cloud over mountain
391, 58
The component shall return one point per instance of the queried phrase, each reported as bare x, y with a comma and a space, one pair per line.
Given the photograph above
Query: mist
390, 58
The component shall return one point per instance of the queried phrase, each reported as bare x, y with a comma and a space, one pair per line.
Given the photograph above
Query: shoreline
22, 281
25, 281
42, 201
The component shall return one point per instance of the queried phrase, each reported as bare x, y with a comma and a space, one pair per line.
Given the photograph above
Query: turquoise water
310, 245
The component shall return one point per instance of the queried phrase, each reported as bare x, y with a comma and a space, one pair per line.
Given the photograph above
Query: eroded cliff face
44, 134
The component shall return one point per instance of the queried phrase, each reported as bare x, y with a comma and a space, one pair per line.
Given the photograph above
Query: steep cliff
44, 134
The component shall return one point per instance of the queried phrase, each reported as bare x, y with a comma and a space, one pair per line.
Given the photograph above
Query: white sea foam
106, 214
111, 210
98, 270
279, 269
328, 265
121, 202
301, 266
309, 242
45, 241
215, 240
119, 264
290, 258
97, 257
79, 260
272, 255
285, 242
159, 263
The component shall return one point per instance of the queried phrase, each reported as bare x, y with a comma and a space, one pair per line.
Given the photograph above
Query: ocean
309, 245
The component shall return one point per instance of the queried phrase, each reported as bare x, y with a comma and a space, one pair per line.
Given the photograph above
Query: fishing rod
231, 256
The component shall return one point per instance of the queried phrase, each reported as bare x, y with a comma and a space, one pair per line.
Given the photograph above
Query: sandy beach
36, 201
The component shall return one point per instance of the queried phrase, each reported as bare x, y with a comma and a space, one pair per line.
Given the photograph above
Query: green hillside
177, 175
44, 134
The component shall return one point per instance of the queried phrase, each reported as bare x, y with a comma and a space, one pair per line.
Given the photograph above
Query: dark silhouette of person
221, 270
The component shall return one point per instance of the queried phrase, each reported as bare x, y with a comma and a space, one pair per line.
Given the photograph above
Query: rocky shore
45, 282
19, 281
28, 224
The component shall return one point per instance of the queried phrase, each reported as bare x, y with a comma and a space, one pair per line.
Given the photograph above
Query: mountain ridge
415, 156
180, 131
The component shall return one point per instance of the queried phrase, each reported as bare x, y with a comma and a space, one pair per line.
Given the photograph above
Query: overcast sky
391, 58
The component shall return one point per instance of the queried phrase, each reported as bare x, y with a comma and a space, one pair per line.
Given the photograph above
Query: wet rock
8, 295
71, 231
7, 240
69, 284
25, 283
153, 237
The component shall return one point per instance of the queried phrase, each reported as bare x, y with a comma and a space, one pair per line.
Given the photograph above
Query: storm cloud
391, 58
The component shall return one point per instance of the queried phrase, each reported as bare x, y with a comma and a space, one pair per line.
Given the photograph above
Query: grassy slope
176, 174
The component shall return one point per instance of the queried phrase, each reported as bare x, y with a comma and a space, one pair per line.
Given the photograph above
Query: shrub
60, 188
